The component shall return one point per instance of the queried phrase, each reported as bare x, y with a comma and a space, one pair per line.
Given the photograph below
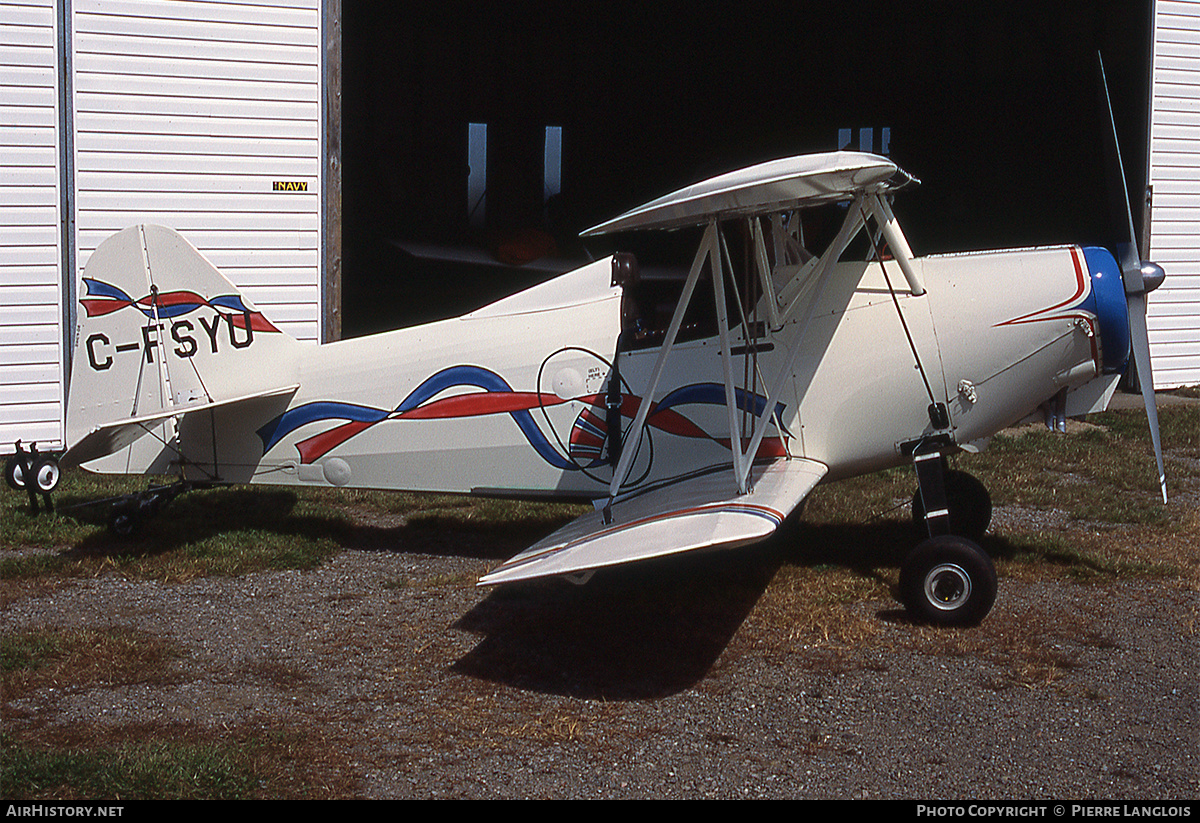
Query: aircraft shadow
198, 516
634, 633
647, 631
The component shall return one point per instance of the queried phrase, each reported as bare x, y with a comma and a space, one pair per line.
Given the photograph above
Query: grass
152, 771
53, 657
1089, 510
138, 761
1102, 482
1093, 514
236, 530
157, 768
169, 763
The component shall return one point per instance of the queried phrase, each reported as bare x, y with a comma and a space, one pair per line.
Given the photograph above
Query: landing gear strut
968, 505
948, 579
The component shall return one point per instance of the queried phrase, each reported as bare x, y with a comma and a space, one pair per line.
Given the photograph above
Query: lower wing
698, 512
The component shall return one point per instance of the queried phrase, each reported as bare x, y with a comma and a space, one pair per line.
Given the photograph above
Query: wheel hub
947, 586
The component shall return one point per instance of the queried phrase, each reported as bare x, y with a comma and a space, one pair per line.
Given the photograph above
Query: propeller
1140, 277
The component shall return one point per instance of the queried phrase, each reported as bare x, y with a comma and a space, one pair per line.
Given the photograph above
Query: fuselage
516, 399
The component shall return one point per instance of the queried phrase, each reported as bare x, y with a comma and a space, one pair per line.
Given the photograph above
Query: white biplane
694, 419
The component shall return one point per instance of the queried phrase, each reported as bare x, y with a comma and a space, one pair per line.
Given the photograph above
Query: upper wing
700, 512
778, 185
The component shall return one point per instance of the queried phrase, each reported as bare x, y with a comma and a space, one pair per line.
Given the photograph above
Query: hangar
203, 116
349, 164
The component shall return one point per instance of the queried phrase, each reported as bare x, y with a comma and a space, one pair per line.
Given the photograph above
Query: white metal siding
187, 113
31, 338
1174, 314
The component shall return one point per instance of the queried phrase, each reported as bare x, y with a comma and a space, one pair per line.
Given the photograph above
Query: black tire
125, 519
948, 581
968, 502
13, 474
46, 474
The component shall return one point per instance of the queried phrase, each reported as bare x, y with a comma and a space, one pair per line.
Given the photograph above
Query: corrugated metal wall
1174, 309
189, 114
31, 327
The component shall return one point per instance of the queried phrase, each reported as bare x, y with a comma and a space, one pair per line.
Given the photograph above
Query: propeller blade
1139, 279
1127, 253
1141, 358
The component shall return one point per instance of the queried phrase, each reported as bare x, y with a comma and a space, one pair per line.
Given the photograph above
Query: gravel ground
667, 683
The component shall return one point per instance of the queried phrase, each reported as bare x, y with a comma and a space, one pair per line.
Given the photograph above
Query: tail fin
161, 330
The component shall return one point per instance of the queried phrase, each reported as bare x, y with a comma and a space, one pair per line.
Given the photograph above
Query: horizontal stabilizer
112, 437
699, 512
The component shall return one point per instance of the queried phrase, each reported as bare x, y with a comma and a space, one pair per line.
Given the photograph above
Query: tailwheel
949, 581
125, 519
129, 513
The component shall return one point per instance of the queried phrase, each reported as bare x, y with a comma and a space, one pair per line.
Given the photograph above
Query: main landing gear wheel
968, 502
949, 581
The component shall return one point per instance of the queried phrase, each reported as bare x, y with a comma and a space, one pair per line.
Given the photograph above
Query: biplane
805, 343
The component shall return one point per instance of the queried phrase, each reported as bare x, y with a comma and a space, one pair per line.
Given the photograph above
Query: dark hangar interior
577, 112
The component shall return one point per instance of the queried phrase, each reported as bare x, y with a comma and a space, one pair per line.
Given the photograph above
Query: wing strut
740, 460
938, 415
882, 212
850, 227
710, 250
764, 270
707, 245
